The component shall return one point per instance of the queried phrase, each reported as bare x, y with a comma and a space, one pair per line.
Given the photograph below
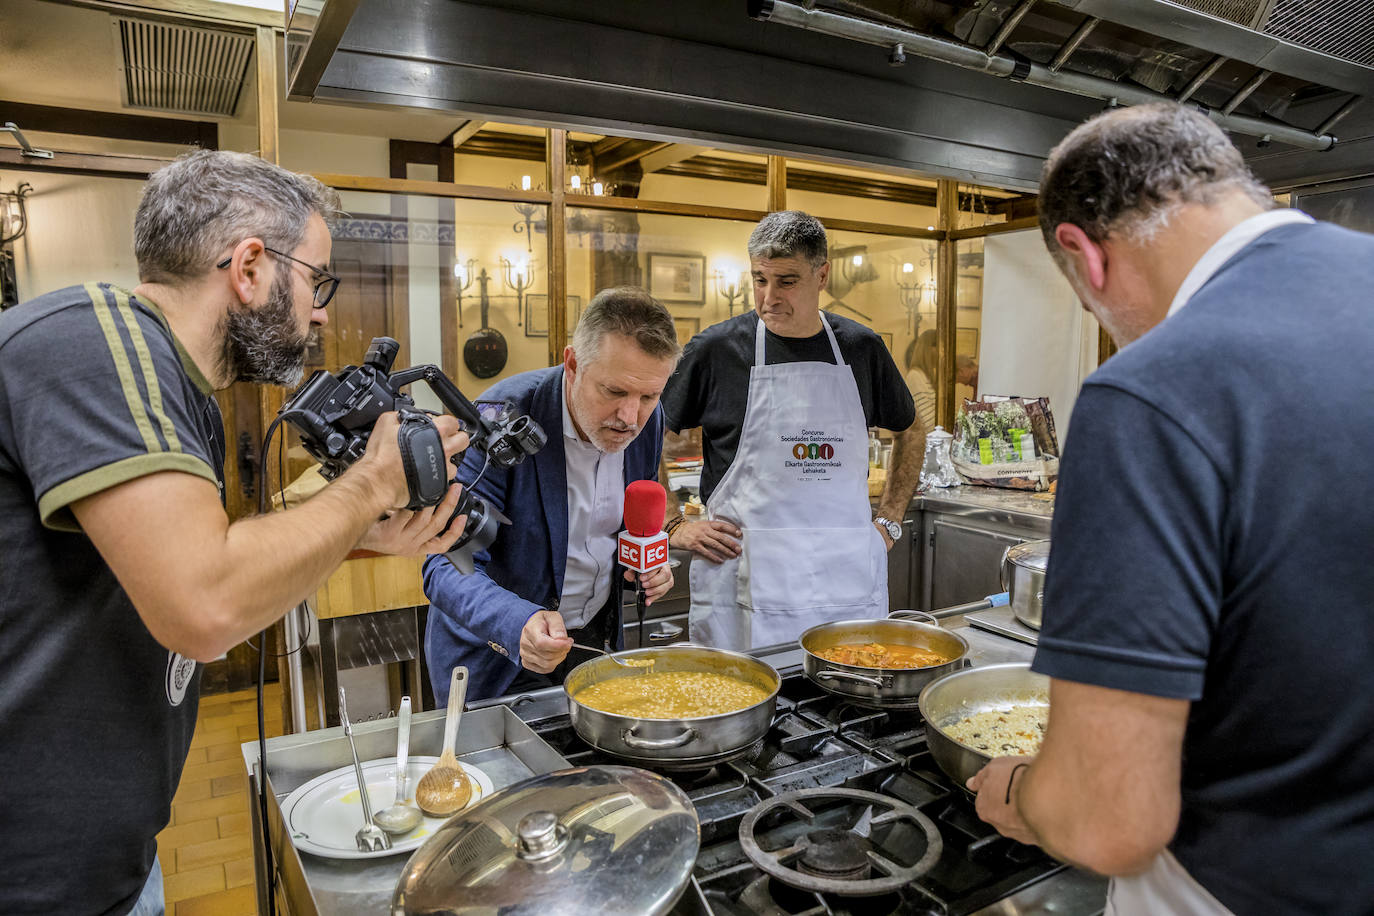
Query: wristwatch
894, 529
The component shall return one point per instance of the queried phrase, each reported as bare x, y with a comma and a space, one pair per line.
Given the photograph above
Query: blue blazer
475, 620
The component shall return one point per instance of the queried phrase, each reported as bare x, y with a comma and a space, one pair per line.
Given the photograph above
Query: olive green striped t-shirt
97, 716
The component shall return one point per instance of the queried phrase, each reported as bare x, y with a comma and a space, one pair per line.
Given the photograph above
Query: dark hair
210, 200
1126, 170
632, 312
790, 234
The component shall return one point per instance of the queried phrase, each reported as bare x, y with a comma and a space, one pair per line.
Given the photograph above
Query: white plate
323, 816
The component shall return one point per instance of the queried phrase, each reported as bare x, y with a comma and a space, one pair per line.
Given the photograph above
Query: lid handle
540, 835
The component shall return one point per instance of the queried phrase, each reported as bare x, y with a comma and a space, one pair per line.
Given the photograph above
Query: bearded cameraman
123, 570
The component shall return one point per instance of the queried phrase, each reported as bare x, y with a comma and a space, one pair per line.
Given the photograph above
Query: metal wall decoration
485, 352
14, 222
679, 278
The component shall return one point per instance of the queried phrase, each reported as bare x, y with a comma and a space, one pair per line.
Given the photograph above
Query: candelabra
464, 274
527, 210
735, 288
518, 277
848, 268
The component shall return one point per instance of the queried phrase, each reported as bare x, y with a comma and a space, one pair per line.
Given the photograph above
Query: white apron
1164, 887
798, 488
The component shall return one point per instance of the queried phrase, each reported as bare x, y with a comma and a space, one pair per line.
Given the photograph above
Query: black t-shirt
1213, 543
96, 716
711, 385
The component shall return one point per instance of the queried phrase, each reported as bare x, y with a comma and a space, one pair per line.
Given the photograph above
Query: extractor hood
977, 90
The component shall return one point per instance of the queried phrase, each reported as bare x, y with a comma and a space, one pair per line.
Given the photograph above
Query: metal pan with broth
870, 685
676, 743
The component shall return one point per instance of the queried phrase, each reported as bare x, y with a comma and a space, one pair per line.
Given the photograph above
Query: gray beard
261, 345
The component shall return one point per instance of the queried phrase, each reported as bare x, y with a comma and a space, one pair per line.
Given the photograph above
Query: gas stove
832, 789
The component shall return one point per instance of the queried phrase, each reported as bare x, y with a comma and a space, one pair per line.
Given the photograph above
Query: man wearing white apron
789, 540
1207, 617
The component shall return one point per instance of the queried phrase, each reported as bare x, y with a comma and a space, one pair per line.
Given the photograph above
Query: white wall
1037, 340
80, 229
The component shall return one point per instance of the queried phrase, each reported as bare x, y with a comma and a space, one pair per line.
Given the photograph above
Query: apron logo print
804, 450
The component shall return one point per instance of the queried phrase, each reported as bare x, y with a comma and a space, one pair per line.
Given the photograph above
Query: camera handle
448, 395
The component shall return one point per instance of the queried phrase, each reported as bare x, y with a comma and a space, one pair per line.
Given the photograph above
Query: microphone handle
639, 608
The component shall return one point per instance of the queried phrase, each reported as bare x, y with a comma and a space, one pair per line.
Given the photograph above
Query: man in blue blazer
550, 578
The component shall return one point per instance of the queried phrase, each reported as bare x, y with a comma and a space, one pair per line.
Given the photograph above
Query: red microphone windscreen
645, 503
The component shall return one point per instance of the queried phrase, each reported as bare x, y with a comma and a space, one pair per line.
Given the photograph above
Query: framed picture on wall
686, 328
966, 341
537, 314
678, 278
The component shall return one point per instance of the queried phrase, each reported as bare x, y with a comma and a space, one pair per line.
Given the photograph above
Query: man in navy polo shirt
1208, 627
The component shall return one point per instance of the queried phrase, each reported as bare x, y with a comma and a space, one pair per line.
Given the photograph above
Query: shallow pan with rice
956, 696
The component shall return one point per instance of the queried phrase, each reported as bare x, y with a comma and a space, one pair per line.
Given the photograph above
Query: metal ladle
400, 817
622, 662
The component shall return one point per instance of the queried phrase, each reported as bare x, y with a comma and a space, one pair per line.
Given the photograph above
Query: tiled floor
206, 851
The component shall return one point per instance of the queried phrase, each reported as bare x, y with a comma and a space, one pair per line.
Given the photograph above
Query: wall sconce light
464, 272
732, 285
517, 276
14, 218
849, 266
527, 210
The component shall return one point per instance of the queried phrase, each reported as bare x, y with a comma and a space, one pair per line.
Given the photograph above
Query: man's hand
887, 538
714, 539
382, 458
656, 582
997, 797
403, 533
544, 642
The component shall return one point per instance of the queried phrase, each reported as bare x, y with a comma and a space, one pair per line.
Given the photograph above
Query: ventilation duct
183, 70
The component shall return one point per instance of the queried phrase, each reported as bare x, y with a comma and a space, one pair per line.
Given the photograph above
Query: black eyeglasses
325, 282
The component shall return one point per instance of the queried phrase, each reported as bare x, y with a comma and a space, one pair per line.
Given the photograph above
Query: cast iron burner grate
819, 741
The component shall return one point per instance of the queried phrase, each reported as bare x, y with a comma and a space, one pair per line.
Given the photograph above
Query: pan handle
657, 744
831, 675
914, 615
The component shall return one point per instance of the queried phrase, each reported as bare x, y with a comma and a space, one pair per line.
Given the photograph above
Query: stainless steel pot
1023, 576
962, 693
884, 688
674, 743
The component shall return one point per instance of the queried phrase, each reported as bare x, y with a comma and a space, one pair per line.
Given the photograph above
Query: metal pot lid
605, 839
938, 433
1031, 555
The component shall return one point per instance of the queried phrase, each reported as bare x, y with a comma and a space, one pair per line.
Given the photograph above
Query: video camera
334, 414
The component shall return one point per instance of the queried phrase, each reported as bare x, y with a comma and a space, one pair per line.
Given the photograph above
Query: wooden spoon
446, 788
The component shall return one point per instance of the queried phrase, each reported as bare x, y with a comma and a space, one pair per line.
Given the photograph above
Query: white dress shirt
596, 503
1224, 248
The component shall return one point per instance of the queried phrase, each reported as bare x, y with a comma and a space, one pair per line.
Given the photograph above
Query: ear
1090, 256
248, 269
822, 272
569, 361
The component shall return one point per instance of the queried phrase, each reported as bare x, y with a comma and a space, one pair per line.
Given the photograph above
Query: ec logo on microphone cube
642, 554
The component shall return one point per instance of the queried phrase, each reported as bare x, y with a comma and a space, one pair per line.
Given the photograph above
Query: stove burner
834, 853
839, 852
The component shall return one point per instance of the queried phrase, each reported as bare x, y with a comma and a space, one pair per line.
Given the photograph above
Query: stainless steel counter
494, 740
993, 505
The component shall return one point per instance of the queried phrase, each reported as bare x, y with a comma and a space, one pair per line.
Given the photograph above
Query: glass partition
697, 266
969, 323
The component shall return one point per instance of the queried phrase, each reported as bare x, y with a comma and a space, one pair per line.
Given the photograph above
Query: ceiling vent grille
183, 70
1341, 29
